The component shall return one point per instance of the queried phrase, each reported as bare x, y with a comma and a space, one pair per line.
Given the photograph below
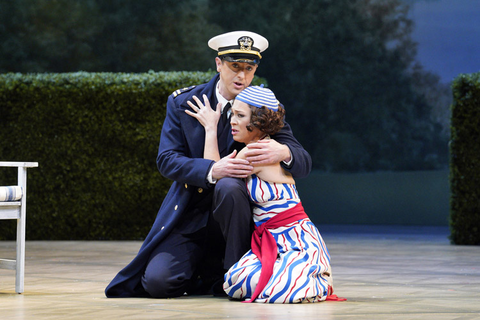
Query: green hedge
465, 161
95, 137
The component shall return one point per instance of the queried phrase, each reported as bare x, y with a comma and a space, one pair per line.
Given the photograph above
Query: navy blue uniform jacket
180, 158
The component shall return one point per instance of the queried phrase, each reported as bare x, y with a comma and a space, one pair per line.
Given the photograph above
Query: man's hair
266, 120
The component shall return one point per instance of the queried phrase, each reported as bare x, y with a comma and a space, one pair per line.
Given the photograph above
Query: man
204, 224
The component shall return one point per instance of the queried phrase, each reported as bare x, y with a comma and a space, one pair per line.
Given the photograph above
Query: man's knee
231, 204
167, 274
230, 188
163, 284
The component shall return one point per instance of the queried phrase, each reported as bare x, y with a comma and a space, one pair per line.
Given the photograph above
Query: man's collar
220, 98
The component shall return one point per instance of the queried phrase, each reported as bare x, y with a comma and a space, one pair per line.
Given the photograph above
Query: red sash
264, 245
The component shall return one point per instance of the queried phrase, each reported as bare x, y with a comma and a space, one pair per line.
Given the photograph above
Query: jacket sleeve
175, 159
301, 164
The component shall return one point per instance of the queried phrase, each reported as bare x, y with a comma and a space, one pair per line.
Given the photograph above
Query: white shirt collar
220, 98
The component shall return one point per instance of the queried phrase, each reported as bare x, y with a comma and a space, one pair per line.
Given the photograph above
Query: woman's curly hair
267, 120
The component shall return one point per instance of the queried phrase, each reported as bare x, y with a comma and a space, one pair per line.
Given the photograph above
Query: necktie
225, 113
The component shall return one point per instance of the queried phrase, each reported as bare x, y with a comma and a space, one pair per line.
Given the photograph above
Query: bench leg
21, 226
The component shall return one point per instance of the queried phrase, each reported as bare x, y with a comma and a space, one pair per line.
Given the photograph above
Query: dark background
366, 83
347, 72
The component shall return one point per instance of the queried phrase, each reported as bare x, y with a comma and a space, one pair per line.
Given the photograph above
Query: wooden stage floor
384, 272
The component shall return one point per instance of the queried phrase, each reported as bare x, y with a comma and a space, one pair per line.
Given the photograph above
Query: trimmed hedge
95, 137
465, 161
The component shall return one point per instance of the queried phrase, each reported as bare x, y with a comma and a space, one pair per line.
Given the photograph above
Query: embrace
232, 222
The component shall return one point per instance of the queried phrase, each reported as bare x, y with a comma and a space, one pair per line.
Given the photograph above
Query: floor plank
384, 272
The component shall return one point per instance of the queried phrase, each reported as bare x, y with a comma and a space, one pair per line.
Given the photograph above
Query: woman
288, 262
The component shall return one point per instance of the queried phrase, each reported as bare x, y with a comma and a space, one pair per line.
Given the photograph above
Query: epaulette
180, 91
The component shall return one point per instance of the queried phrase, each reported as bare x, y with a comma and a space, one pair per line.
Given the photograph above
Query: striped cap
258, 97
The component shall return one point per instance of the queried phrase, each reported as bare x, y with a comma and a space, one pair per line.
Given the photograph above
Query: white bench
17, 209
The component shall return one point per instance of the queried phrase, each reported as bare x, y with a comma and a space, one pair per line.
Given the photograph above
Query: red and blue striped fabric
302, 271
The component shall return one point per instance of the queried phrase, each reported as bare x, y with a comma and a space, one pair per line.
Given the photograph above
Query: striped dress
302, 270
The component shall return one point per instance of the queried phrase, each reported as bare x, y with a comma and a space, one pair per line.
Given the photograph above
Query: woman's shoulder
241, 153
256, 169
275, 174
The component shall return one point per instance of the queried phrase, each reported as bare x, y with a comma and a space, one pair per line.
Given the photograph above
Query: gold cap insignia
245, 43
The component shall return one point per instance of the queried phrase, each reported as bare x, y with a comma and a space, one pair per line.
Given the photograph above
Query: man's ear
218, 63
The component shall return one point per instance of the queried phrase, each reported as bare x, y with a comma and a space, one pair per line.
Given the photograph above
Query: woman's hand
204, 113
209, 120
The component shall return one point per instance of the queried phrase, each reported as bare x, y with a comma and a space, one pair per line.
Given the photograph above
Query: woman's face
240, 119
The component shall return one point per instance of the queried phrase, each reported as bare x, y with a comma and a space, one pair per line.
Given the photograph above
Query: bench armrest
18, 164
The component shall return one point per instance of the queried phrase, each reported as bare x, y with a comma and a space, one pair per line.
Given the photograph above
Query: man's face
234, 77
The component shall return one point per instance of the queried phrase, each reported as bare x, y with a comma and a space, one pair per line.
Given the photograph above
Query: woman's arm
208, 118
178, 158
228, 166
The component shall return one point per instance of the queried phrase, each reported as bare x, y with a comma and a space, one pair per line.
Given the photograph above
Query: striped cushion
13, 193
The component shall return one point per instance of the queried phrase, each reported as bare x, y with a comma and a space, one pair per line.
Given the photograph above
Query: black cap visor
238, 57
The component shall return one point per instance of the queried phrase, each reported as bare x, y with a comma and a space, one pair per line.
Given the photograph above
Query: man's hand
230, 167
266, 152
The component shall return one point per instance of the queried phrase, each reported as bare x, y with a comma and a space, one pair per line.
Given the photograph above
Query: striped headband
258, 97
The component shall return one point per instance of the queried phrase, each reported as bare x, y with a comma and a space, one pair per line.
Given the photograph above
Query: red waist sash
264, 245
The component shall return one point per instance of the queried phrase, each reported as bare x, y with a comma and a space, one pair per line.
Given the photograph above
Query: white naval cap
239, 46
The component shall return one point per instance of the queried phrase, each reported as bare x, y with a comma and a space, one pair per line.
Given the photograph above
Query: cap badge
245, 43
